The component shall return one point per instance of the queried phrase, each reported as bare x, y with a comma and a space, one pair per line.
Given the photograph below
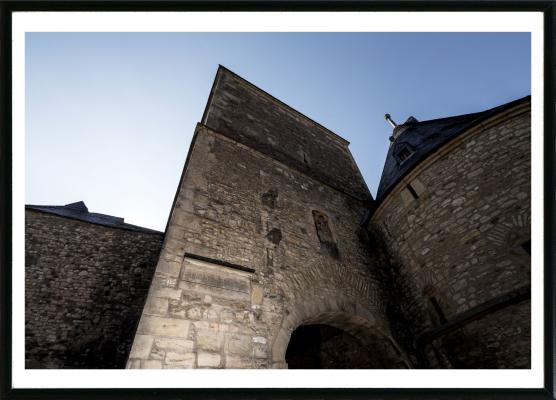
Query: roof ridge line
516, 101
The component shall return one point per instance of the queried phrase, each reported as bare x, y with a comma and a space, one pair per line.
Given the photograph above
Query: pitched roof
423, 138
79, 211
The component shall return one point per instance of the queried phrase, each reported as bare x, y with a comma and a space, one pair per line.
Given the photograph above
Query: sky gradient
110, 116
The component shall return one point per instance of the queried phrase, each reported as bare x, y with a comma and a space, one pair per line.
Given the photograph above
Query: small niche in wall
402, 152
435, 308
519, 248
412, 191
438, 309
324, 234
519, 244
305, 158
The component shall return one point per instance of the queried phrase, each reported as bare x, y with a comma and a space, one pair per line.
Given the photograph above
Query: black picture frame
548, 8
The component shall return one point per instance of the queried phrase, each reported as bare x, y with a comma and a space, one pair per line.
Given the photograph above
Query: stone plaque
216, 276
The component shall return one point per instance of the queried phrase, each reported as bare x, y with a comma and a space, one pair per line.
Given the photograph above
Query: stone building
86, 279
276, 255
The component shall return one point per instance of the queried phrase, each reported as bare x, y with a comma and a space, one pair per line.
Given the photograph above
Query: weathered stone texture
267, 238
462, 242
85, 287
244, 113
502, 340
239, 206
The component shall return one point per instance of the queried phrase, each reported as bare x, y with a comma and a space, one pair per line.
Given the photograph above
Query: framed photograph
278, 200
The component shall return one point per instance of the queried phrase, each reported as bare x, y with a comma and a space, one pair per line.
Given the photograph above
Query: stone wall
85, 287
266, 236
250, 116
459, 239
254, 249
501, 340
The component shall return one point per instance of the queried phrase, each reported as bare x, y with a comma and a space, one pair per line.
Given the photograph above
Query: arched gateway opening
335, 334
321, 346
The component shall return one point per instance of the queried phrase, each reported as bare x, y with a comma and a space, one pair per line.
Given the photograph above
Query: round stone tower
453, 209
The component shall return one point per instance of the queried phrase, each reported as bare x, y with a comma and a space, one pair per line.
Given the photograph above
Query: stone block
141, 346
151, 364
182, 217
183, 360
407, 197
418, 186
164, 292
257, 293
222, 279
161, 280
170, 268
272, 319
234, 362
210, 340
157, 354
174, 246
174, 345
159, 326
260, 350
156, 306
174, 232
133, 364
227, 316
176, 311
212, 315
194, 313
208, 360
259, 339
212, 326
238, 344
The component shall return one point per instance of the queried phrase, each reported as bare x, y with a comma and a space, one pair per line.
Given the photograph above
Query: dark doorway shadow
325, 347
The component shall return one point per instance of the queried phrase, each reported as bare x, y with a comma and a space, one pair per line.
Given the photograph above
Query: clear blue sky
109, 116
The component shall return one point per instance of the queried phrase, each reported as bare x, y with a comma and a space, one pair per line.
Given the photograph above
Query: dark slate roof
423, 138
79, 211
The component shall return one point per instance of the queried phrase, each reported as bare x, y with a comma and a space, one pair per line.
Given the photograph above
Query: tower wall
248, 115
256, 246
461, 246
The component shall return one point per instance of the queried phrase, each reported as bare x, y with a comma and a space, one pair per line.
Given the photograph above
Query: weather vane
390, 120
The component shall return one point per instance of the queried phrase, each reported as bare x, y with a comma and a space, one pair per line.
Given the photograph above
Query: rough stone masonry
85, 287
276, 255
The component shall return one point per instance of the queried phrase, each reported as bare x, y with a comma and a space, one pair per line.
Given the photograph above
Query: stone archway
344, 314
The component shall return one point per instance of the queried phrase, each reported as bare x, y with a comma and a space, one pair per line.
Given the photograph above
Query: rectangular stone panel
191, 288
215, 276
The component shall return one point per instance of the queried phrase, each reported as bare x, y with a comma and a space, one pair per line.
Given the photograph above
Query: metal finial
390, 120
